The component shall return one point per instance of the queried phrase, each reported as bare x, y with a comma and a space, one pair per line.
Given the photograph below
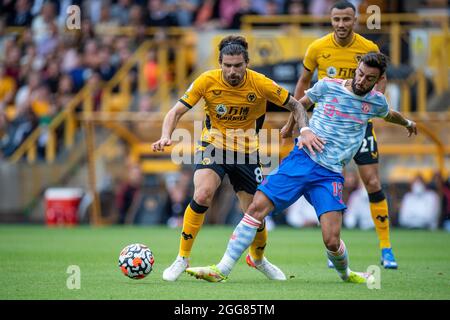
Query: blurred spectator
245, 8
442, 188
205, 12
320, 7
30, 61
121, 11
208, 15
227, 10
6, 39
420, 207
7, 88
179, 189
93, 9
65, 90
122, 51
87, 32
17, 130
41, 25
106, 69
21, 16
12, 62
158, 15
90, 54
41, 103
272, 7
301, 214
358, 214
23, 95
269, 7
106, 23
296, 7
128, 191
184, 10
135, 16
51, 75
48, 42
95, 84
151, 71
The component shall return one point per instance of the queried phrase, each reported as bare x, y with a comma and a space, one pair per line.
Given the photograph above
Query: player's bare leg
379, 210
255, 257
240, 240
336, 251
206, 182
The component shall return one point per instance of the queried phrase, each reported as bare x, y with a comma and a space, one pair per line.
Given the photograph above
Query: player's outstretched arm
303, 84
398, 118
170, 123
307, 136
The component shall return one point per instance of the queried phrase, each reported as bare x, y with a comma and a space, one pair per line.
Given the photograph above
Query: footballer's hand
161, 143
412, 128
286, 131
311, 141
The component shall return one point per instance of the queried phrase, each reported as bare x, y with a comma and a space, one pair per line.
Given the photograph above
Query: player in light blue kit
314, 167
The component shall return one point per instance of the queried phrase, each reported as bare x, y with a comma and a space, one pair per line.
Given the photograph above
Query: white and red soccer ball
136, 261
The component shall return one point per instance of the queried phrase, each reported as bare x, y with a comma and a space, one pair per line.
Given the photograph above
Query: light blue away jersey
340, 117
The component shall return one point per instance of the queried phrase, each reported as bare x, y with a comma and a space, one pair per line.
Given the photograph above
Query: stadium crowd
42, 65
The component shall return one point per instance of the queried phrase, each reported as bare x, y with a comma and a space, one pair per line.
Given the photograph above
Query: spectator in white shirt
358, 214
301, 214
420, 207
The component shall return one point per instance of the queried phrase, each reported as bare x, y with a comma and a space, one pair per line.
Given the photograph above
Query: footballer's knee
203, 196
260, 206
371, 180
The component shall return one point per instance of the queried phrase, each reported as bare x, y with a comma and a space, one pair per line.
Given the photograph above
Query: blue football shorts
298, 175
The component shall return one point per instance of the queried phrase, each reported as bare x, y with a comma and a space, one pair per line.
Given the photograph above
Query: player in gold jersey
336, 55
235, 104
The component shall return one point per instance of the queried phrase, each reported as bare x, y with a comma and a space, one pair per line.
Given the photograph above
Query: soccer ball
136, 261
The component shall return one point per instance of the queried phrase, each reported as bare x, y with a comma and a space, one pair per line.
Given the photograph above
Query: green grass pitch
34, 262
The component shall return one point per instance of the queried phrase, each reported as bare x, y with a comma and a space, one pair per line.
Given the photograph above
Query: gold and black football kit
234, 115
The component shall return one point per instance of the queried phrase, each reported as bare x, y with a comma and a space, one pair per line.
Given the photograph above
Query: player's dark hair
341, 5
233, 46
375, 60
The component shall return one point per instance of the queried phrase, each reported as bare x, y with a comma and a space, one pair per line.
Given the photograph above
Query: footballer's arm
307, 136
398, 118
303, 84
169, 124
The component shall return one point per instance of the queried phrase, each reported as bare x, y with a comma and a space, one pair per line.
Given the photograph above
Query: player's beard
235, 80
359, 92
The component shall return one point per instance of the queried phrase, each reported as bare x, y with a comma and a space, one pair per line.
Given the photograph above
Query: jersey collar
338, 45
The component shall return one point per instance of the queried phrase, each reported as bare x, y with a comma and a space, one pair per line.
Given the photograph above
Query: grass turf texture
35, 260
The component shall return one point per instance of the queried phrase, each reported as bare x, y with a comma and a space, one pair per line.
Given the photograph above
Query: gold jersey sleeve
335, 61
234, 115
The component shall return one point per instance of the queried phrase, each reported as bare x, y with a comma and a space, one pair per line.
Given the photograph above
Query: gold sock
259, 243
380, 217
192, 222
